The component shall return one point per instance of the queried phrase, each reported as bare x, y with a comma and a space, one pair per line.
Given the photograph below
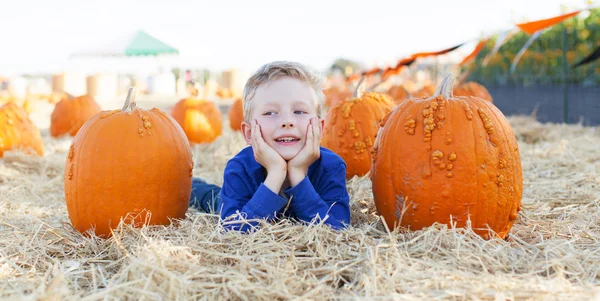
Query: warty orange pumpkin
18, 132
236, 115
351, 126
447, 159
201, 120
128, 161
71, 113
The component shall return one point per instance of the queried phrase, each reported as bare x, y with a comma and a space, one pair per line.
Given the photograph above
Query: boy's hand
297, 168
269, 158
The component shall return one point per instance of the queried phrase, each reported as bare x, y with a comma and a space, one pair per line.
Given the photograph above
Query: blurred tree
345, 66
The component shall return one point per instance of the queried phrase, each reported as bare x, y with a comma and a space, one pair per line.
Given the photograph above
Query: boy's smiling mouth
287, 139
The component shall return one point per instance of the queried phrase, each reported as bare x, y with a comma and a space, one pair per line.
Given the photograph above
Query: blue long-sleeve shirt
322, 192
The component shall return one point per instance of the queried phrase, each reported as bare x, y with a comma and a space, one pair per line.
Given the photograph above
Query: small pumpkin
236, 115
335, 95
473, 89
398, 93
447, 159
201, 120
127, 161
425, 91
351, 126
17, 131
71, 113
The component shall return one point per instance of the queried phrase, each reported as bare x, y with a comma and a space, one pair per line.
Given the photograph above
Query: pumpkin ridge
477, 202
513, 177
499, 217
427, 203
448, 114
490, 177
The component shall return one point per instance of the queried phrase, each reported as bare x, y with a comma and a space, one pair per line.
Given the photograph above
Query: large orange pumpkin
18, 132
473, 89
351, 126
70, 113
236, 115
201, 120
128, 161
447, 159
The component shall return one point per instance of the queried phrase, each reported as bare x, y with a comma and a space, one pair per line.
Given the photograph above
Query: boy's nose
287, 121
287, 124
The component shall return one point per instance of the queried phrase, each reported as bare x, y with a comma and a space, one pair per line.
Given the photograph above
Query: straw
552, 252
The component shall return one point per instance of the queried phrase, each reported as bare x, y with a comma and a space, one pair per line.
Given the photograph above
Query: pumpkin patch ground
551, 252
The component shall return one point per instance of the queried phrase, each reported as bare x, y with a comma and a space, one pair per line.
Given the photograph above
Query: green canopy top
145, 44
134, 44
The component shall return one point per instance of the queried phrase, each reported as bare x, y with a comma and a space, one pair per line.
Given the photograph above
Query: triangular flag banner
476, 51
522, 51
372, 71
532, 27
425, 54
590, 58
405, 62
502, 37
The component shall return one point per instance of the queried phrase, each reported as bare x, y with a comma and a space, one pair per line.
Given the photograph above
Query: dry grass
553, 251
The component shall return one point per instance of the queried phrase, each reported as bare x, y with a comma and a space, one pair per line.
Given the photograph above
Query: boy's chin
288, 155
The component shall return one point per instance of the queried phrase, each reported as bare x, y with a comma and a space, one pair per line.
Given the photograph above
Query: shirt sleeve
332, 202
240, 206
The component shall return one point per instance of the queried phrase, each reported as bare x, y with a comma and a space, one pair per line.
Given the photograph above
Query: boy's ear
322, 122
247, 131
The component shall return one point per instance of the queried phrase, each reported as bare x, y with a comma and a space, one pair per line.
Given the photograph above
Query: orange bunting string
372, 71
405, 62
532, 27
476, 51
425, 54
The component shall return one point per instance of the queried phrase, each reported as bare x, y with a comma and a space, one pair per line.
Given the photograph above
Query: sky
39, 36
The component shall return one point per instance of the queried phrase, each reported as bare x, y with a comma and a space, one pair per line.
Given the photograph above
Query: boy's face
283, 109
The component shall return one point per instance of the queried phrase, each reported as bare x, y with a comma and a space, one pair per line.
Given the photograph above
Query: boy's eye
268, 113
300, 112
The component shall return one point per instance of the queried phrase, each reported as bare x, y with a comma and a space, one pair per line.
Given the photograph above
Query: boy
284, 171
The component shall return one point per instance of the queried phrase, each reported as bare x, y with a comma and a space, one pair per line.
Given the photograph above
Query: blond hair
278, 69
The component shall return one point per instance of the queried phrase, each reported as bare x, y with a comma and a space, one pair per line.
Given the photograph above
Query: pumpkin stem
360, 88
130, 101
445, 88
195, 89
373, 87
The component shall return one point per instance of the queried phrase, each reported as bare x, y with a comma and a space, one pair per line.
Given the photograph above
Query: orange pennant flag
476, 51
425, 54
532, 27
372, 71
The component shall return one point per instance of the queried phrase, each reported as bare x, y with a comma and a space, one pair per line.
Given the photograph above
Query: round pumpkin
236, 115
473, 89
71, 113
351, 126
201, 120
398, 93
425, 91
129, 161
335, 95
447, 159
17, 131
